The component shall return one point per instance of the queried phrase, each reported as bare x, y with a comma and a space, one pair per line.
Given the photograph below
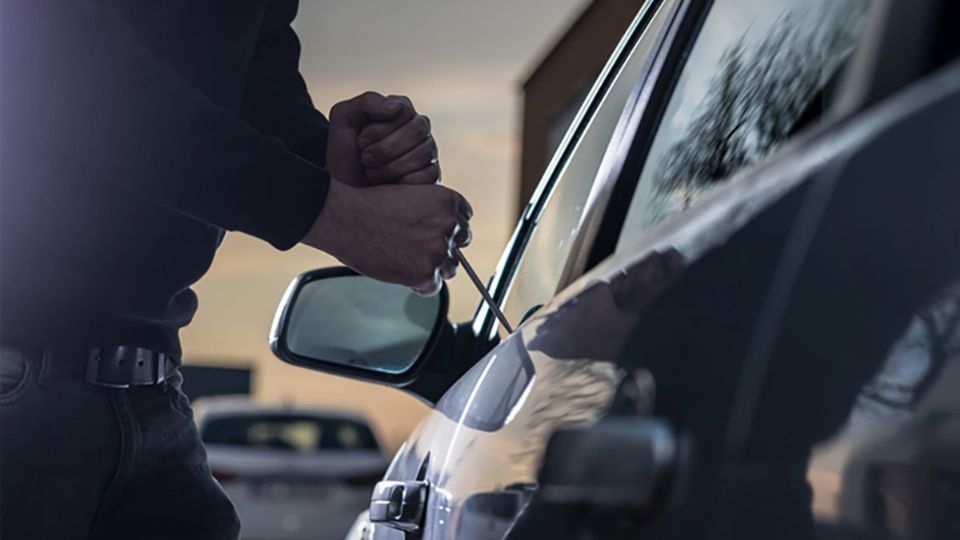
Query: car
734, 294
291, 472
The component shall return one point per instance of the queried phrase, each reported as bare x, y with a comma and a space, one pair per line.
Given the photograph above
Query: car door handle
400, 505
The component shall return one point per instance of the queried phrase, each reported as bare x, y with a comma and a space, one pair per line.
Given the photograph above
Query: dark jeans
85, 461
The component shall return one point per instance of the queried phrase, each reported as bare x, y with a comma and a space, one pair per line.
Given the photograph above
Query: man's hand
375, 139
400, 234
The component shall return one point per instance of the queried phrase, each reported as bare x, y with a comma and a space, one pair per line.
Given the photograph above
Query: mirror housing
337, 321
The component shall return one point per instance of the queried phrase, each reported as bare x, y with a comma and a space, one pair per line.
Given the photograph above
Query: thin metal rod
483, 291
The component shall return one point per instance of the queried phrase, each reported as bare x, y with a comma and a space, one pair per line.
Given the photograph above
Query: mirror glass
362, 323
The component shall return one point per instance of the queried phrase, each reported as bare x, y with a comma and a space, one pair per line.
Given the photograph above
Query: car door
488, 432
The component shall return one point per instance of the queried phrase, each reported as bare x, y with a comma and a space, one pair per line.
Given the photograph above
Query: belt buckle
93, 371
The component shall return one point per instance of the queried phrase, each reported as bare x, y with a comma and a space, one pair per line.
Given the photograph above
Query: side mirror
337, 321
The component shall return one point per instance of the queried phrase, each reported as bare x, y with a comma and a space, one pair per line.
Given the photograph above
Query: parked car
733, 291
292, 473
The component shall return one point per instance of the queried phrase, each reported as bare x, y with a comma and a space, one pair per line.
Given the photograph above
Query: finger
430, 175
448, 269
463, 235
420, 157
399, 141
431, 287
463, 207
377, 131
371, 107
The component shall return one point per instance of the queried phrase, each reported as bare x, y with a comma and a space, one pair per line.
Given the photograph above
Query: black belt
116, 367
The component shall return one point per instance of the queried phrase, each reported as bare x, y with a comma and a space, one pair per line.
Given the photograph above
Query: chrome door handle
400, 505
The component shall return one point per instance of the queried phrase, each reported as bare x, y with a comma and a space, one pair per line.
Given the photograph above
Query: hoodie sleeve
82, 85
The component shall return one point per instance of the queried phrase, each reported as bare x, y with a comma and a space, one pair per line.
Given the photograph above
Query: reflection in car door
464, 455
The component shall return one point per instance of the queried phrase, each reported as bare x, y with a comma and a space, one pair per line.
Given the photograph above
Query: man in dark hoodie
133, 135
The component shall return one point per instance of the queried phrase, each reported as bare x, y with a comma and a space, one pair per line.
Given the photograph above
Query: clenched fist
376, 139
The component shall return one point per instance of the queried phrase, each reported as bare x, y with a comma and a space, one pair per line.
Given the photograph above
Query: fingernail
392, 106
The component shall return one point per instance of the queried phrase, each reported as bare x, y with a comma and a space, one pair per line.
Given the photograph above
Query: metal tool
483, 291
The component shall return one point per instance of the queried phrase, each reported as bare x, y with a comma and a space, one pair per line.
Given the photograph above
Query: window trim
484, 324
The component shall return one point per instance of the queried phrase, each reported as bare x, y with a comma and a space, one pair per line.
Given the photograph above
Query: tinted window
549, 245
290, 432
759, 71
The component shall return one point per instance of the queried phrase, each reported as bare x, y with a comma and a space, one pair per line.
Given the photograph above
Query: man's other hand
401, 151
376, 139
402, 234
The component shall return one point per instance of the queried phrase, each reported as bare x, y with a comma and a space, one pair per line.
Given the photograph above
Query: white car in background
292, 473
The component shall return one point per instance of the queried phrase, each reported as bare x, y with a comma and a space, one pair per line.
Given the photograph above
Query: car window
288, 432
541, 265
759, 71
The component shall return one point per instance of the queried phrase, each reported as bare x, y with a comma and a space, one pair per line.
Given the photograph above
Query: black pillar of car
455, 352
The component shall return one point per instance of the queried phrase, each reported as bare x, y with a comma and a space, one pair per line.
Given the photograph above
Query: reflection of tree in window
932, 340
761, 94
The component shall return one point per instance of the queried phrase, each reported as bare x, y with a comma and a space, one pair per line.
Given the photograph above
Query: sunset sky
461, 63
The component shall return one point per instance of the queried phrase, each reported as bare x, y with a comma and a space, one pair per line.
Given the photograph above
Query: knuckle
456, 201
425, 152
338, 108
370, 96
423, 126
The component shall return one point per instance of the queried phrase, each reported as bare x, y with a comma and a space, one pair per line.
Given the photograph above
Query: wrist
329, 229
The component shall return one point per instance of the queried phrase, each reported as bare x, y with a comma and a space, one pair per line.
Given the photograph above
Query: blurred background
499, 79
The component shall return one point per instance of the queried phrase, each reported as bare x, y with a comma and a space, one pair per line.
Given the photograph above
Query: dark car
734, 292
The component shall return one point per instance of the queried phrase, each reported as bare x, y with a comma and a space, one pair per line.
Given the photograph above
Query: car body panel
572, 389
486, 438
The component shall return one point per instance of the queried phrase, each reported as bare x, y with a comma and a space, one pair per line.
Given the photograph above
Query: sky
461, 63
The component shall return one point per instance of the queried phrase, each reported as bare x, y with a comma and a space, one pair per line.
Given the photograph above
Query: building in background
553, 91
204, 380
